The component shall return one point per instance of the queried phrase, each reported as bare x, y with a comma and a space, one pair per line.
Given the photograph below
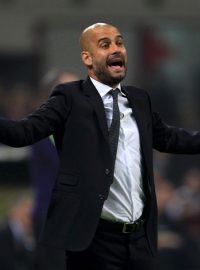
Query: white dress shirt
125, 201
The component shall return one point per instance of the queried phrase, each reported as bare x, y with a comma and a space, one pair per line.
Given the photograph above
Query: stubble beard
106, 77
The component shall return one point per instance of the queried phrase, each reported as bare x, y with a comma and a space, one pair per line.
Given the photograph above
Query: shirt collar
103, 89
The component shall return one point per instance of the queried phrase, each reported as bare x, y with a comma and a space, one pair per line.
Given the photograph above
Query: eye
104, 45
120, 43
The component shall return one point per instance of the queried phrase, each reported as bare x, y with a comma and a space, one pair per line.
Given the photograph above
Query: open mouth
116, 65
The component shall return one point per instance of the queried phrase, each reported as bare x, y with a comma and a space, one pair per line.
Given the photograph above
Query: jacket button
107, 171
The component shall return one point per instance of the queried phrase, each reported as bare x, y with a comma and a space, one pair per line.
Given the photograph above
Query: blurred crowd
179, 222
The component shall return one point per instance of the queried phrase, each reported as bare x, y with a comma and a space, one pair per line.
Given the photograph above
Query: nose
115, 48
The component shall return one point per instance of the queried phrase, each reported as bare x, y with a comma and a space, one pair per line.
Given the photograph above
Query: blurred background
39, 47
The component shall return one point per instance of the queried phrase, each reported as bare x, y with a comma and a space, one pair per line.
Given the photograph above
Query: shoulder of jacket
66, 88
135, 90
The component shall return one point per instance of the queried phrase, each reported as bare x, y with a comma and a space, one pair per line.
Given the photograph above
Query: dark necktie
114, 128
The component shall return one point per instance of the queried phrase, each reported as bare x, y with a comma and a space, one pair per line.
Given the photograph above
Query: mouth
116, 65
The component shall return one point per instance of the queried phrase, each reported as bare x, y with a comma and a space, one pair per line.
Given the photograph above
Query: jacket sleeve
41, 123
172, 139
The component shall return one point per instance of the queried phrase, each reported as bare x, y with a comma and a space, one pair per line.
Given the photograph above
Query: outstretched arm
36, 126
172, 139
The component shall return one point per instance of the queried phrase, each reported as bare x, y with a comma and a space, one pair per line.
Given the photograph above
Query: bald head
88, 33
103, 53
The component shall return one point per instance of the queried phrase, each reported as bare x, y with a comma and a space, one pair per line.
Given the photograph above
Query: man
103, 205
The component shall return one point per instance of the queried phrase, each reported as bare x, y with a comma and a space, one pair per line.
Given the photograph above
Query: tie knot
114, 92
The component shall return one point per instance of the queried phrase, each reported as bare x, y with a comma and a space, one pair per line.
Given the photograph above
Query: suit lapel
96, 101
138, 106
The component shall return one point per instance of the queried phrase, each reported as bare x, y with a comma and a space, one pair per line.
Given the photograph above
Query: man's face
108, 57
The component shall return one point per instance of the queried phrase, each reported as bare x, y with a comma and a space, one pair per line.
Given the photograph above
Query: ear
86, 58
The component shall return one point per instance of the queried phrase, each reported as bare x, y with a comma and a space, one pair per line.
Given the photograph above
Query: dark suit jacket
75, 115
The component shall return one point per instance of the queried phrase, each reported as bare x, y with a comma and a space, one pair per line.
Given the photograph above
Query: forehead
102, 32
